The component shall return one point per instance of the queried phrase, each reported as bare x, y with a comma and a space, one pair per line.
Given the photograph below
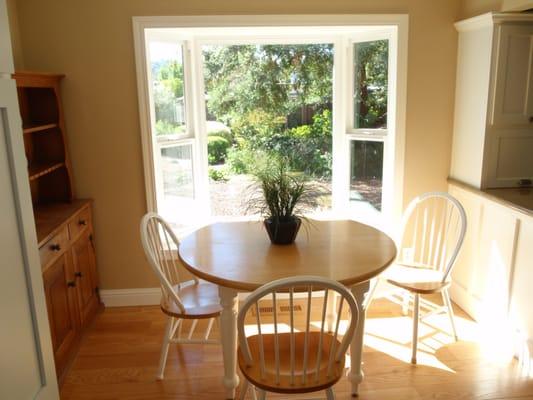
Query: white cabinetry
26, 359
493, 274
493, 127
513, 94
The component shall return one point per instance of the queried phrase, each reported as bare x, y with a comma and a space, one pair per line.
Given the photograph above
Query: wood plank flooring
119, 356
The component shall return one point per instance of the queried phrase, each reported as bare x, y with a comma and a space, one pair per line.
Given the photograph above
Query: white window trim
325, 23
390, 186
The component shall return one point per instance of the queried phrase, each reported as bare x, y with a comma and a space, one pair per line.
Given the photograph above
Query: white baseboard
465, 300
152, 297
130, 297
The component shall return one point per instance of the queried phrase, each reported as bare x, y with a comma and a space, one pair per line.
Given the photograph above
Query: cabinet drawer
79, 223
54, 247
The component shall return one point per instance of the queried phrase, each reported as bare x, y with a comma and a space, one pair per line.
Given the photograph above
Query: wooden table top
239, 255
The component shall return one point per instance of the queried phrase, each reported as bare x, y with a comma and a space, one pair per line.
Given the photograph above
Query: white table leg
228, 336
356, 347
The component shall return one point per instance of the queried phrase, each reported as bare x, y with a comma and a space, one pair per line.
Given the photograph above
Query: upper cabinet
513, 89
493, 127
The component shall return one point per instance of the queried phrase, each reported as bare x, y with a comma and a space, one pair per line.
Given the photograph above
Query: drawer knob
55, 247
531, 119
78, 274
82, 222
71, 284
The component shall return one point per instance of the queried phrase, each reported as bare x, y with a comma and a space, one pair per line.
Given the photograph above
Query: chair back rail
433, 230
298, 369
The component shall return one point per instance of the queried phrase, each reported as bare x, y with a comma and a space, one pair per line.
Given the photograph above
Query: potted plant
282, 197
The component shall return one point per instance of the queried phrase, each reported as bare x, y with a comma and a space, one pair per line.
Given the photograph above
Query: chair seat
199, 300
268, 382
418, 279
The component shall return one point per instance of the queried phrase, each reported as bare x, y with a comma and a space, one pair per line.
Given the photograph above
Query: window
214, 99
368, 125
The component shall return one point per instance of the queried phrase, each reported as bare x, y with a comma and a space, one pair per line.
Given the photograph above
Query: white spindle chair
191, 300
300, 360
433, 230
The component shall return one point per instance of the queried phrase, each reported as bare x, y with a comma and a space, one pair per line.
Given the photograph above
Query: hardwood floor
119, 356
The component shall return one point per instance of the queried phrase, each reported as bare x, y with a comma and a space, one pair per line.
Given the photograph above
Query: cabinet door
508, 157
59, 287
513, 94
85, 272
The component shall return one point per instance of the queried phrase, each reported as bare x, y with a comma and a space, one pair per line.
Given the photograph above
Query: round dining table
238, 257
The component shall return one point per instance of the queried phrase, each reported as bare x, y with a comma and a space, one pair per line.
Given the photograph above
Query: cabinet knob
55, 247
530, 120
71, 284
78, 274
82, 222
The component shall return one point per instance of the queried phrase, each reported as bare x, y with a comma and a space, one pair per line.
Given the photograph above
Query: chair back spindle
297, 356
433, 231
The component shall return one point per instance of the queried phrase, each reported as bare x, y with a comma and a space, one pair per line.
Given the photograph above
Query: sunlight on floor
392, 334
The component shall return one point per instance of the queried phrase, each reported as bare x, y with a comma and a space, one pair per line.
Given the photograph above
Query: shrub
307, 148
167, 128
240, 160
226, 134
218, 175
217, 149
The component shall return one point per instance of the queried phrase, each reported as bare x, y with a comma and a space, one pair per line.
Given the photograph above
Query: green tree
273, 80
371, 81
168, 96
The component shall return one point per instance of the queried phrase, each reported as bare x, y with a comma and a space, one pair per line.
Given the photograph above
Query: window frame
343, 109
375, 134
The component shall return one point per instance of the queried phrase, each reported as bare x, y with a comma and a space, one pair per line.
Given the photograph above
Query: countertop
519, 199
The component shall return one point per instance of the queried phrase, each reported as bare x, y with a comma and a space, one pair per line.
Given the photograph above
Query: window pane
371, 84
267, 100
168, 89
366, 172
176, 200
176, 168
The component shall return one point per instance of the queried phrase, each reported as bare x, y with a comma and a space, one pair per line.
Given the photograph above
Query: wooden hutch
63, 224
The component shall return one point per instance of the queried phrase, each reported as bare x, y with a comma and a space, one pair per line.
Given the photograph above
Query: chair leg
164, 348
262, 394
416, 310
330, 394
244, 388
448, 302
370, 294
405, 303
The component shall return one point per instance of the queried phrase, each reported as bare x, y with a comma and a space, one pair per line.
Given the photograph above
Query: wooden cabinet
66, 246
63, 224
493, 127
83, 258
59, 287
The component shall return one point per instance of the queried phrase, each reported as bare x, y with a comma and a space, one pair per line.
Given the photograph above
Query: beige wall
91, 42
471, 8
18, 58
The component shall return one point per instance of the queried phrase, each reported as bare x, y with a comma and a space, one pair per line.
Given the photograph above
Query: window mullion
340, 163
198, 115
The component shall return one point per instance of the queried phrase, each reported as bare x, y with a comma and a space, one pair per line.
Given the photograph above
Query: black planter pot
282, 232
